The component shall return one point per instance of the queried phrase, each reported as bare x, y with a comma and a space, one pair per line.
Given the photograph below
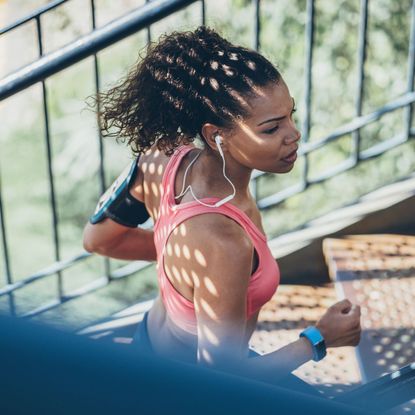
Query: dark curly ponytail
185, 80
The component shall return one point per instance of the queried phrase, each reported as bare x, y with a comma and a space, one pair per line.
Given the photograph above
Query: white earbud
218, 140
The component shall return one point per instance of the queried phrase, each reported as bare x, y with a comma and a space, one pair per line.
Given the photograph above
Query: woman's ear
209, 132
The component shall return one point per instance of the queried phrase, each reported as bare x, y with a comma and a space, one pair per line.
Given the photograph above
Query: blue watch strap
314, 336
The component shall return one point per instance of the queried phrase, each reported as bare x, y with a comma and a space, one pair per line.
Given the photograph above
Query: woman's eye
272, 130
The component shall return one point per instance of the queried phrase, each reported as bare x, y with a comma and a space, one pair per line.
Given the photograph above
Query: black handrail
89, 44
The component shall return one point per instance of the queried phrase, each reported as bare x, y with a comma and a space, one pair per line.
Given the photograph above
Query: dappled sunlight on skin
200, 258
210, 286
210, 336
186, 277
152, 168
160, 170
214, 345
154, 189
248, 131
176, 274
208, 309
196, 279
182, 229
186, 252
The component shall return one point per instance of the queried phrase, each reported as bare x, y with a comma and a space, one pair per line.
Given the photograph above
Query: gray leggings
290, 382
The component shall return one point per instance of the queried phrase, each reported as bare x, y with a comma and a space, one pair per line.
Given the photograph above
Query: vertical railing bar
203, 9
257, 34
148, 28
364, 5
253, 185
308, 83
50, 170
9, 278
411, 72
106, 261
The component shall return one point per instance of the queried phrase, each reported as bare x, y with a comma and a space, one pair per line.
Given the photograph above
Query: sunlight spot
182, 228
214, 65
207, 309
210, 286
161, 190
177, 250
144, 167
169, 249
251, 65
151, 168
160, 169
154, 189
196, 279
155, 214
214, 83
212, 338
186, 277
175, 231
200, 258
196, 305
186, 251
146, 189
228, 70
156, 153
233, 56
176, 274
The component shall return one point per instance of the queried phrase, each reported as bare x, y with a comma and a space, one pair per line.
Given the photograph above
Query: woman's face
267, 140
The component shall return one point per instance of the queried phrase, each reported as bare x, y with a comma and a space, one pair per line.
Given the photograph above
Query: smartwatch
313, 335
118, 204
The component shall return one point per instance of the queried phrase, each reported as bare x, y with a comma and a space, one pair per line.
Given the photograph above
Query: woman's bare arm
223, 270
111, 239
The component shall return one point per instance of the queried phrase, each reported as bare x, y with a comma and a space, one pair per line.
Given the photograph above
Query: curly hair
185, 80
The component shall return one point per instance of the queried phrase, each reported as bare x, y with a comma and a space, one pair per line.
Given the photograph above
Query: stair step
378, 273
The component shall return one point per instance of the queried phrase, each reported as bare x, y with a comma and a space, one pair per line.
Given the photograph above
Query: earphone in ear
218, 140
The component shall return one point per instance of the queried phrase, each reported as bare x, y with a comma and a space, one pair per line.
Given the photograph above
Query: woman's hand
340, 325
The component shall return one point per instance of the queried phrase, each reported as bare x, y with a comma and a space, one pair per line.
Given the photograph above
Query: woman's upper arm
223, 261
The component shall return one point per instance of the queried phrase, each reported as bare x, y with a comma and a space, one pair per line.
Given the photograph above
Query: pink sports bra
263, 282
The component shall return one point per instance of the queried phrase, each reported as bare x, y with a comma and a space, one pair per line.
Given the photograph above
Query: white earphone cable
189, 187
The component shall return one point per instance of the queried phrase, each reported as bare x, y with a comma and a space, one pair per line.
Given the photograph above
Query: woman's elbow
89, 242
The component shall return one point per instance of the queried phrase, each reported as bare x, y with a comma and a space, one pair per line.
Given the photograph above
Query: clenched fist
340, 325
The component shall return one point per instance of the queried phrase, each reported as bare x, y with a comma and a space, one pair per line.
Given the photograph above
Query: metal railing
141, 19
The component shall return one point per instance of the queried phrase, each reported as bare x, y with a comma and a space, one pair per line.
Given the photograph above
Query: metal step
378, 273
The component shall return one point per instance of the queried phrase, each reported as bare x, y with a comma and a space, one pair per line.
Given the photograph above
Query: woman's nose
293, 137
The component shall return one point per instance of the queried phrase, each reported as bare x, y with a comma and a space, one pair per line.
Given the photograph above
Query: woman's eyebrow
277, 118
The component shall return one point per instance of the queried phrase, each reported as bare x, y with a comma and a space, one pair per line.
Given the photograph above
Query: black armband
118, 204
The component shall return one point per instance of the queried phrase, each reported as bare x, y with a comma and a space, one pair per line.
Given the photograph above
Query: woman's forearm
274, 366
116, 241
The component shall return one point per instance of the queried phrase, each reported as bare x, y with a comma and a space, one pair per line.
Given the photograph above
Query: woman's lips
291, 158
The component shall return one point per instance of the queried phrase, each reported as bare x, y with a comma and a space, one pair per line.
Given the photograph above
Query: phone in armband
118, 204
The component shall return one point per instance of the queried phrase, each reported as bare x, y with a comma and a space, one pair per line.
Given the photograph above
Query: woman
214, 267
